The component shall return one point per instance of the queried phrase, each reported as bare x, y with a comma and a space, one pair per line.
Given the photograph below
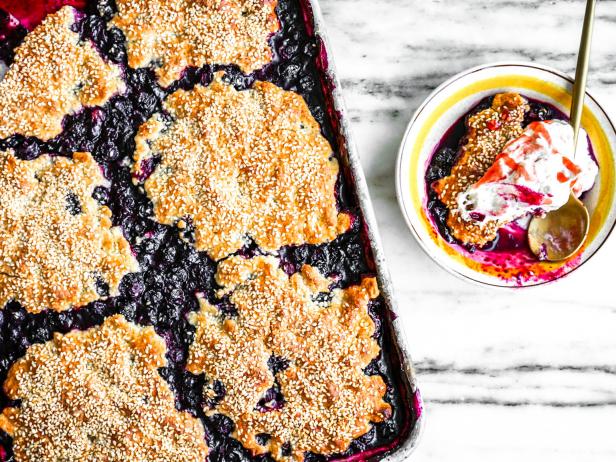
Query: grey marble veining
526, 375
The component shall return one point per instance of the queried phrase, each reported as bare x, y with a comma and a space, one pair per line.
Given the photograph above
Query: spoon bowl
557, 236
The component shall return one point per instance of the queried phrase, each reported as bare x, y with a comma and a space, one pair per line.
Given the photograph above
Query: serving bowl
440, 111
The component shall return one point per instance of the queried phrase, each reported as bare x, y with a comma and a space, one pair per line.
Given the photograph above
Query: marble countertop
506, 376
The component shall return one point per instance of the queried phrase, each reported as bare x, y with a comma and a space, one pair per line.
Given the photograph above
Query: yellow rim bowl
446, 105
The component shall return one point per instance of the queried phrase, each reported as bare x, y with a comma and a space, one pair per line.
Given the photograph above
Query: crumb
487, 133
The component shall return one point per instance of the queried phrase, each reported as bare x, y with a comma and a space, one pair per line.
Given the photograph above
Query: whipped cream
534, 173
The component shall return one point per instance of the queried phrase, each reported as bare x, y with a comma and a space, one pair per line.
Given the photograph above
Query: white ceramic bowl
446, 105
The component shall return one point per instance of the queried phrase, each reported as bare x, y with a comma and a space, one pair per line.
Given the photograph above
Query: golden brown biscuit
328, 399
54, 74
56, 242
487, 133
97, 395
241, 164
181, 33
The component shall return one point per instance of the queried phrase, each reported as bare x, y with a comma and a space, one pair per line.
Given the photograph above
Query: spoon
559, 234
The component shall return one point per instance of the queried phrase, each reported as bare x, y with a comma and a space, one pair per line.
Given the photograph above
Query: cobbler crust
328, 399
55, 239
96, 395
177, 34
241, 163
487, 133
53, 74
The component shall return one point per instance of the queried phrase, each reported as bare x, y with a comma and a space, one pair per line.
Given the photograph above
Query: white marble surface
529, 375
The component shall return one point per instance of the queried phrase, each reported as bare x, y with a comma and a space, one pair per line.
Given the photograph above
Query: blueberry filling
286, 449
262, 438
11, 35
72, 204
272, 399
102, 288
277, 364
446, 155
163, 292
214, 393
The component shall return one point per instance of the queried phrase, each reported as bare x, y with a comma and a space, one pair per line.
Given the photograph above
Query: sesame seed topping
487, 133
328, 399
184, 33
96, 395
53, 74
56, 241
241, 163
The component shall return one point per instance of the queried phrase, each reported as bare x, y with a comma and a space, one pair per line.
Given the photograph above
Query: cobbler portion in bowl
509, 158
172, 277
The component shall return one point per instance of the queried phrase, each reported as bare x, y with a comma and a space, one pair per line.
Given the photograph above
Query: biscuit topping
177, 34
487, 133
97, 396
327, 400
53, 74
241, 164
57, 246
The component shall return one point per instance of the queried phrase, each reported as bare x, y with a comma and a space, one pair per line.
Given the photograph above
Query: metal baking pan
409, 438
394, 342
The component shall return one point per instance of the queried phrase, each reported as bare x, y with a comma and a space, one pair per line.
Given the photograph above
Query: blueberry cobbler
184, 270
510, 158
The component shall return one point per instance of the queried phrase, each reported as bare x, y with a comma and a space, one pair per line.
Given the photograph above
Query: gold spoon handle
581, 71
561, 233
